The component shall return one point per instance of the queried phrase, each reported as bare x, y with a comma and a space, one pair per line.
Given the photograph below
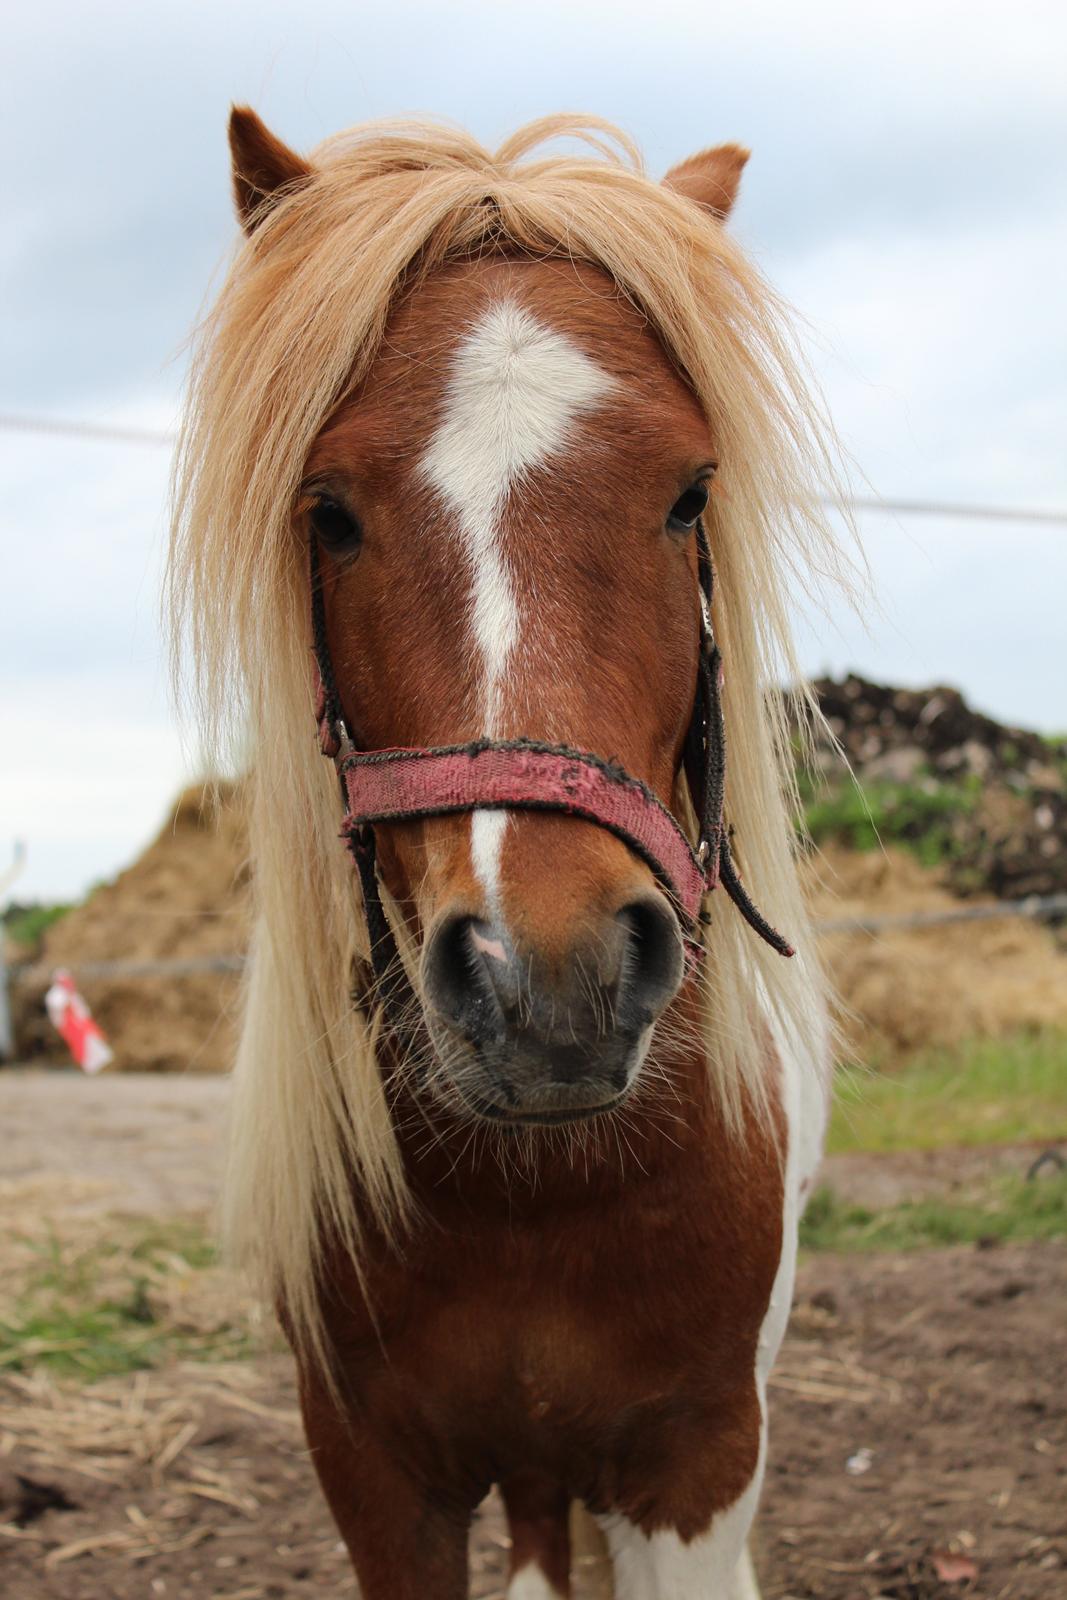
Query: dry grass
92, 1295
931, 988
123, 1427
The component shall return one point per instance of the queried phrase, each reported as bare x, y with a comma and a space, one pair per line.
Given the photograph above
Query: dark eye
688, 508
337, 528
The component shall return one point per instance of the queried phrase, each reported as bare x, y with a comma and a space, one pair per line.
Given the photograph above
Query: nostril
455, 978
653, 960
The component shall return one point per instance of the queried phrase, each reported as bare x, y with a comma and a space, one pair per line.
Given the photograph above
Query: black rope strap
392, 986
736, 890
708, 730
319, 642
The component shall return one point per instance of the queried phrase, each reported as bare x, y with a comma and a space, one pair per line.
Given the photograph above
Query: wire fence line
1035, 905
106, 432
37, 975
965, 511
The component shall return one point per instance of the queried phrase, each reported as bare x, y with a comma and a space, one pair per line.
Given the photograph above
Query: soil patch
140, 1144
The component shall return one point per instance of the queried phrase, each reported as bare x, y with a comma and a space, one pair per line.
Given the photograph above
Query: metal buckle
345, 746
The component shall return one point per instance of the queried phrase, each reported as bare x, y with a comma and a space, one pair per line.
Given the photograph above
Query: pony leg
745, 1585
590, 1557
406, 1540
663, 1566
539, 1520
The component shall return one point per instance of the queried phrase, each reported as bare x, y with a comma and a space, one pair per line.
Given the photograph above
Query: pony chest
604, 1329
639, 1402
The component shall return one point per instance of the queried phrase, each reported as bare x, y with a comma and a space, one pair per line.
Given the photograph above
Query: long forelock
296, 328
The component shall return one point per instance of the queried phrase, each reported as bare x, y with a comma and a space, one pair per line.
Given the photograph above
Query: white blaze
514, 392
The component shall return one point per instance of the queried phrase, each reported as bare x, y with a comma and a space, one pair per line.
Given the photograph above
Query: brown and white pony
540, 1233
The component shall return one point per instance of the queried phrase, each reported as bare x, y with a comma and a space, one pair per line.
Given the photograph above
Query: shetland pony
468, 433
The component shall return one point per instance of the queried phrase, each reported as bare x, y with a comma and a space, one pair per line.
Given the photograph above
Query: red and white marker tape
73, 1020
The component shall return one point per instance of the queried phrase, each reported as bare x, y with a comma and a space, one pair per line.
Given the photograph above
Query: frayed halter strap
523, 775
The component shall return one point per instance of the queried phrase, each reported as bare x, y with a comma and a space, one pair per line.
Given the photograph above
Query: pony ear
263, 167
711, 178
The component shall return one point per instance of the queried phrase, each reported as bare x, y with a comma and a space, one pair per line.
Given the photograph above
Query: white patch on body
744, 1585
716, 1565
530, 1583
514, 393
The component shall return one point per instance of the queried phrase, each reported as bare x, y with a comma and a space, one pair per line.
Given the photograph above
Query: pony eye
337, 528
688, 508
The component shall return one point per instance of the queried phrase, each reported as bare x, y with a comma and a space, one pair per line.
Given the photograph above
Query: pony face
504, 513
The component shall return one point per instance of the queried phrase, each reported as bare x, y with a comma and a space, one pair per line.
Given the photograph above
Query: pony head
504, 516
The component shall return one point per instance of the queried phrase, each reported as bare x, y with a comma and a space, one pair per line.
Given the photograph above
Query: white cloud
943, 353
84, 786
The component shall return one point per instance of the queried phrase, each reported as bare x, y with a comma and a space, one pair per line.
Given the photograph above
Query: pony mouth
544, 1116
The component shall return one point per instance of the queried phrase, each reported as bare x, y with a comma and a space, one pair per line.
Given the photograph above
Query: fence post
7, 1041
7, 1034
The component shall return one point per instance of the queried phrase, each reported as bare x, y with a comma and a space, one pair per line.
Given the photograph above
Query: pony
499, 474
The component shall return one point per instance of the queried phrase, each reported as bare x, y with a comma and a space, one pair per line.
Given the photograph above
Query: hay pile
903, 991
147, 1434
183, 898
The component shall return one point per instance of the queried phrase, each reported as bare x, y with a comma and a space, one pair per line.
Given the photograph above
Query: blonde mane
297, 324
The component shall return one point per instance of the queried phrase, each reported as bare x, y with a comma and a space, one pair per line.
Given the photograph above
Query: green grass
922, 816
1013, 1208
115, 1304
989, 1092
27, 926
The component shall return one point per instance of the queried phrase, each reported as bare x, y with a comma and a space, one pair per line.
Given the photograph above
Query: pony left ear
263, 167
711, 178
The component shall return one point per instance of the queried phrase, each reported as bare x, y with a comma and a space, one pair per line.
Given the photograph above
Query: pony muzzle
525, 1037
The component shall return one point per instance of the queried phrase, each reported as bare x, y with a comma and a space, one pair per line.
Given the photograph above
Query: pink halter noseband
520, 774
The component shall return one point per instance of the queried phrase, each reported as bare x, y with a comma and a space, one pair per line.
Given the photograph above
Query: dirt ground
918, 1413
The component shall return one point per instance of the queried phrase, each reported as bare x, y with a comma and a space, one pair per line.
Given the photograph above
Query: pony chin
513, 1087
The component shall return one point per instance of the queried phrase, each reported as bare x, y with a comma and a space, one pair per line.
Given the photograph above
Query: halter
397, 785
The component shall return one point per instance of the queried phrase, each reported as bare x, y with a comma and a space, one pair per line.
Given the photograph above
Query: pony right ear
263, 168
711, 178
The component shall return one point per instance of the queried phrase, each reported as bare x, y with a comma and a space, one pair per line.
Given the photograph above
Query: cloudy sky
908, 192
